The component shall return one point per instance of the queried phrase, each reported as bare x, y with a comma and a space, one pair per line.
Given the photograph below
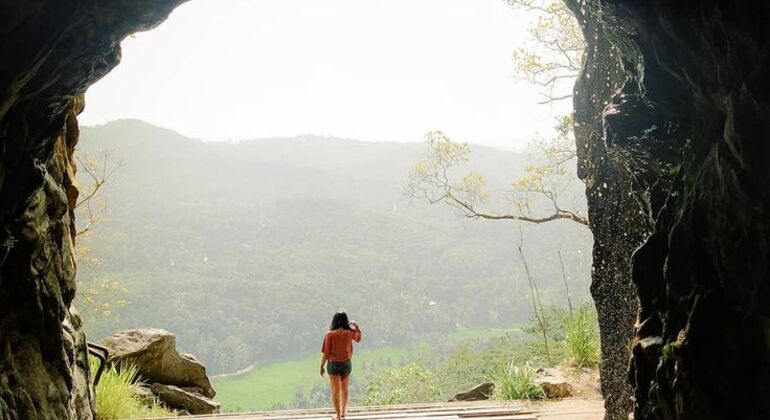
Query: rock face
176, 379
52, 51
689, 124
617, 224
479, 392
675, 161
183, 399
553, 383
153, 352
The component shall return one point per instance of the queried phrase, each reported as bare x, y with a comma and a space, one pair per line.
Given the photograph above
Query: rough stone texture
145, 395
178, 398
153, 352
52, 51
482, 391
690, 122
617, 224
677, 162
553, 383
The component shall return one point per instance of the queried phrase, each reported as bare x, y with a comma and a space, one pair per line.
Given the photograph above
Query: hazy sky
366, 69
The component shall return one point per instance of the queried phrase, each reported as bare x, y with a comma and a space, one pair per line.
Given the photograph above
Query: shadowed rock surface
479, 392
52, 51
553, 383
153, 352
617, 224
677, 161
179, 398
689, 125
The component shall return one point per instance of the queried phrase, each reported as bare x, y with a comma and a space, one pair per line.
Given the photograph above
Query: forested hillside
245, 250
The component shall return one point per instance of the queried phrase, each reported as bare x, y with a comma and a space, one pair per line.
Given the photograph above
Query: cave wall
52, 51
689, 124
671, 110
617, 224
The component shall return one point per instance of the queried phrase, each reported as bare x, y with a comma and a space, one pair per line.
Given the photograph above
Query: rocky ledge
176, 379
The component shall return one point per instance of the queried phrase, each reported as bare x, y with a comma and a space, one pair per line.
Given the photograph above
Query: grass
517, 383
582, 337
277, 383
274, 384
116, 396
462, 334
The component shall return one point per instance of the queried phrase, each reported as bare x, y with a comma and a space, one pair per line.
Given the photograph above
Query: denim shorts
341, 369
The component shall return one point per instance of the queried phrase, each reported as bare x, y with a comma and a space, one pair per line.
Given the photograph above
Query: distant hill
245, 250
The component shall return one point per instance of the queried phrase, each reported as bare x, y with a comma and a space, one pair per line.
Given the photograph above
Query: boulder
553, 383
153, 352
482, 391
144, 394
180, 399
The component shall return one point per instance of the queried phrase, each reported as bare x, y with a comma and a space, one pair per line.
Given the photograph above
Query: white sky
367, 69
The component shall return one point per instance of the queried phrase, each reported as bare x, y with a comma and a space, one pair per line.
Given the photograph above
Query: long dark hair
340, 320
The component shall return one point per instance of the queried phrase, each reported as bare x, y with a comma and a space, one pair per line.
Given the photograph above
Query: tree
96, 293
552, 62
553, 57
538, 197
98, 170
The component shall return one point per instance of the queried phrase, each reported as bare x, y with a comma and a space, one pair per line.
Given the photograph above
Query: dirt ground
584, 381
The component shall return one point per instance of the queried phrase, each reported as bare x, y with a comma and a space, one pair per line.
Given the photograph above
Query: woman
337, 350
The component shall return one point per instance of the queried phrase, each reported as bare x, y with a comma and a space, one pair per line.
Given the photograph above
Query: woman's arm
356, 331
325, 350
323, 361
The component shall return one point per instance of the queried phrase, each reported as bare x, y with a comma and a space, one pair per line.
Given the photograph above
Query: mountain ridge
229, 245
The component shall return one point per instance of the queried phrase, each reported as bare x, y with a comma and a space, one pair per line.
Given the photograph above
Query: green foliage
554, 317
516, 383
667, 353
582, 337
116, 396
224, 261
452, 366
551, 58
412, 383
296, 383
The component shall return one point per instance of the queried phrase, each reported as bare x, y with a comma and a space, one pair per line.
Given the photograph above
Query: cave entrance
238, 231
138, 234
680, 158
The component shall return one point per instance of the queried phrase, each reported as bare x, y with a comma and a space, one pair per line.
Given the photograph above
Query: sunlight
363, 69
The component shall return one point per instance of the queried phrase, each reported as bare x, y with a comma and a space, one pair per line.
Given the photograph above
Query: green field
462, 334
277, 383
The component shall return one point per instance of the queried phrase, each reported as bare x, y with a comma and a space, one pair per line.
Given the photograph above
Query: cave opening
670, 108
179, 184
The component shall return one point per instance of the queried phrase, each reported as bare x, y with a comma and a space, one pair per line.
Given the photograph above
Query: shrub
582, 337
412, 383
116, 396
516, 383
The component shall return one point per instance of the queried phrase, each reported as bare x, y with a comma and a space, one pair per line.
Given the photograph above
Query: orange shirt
338, 344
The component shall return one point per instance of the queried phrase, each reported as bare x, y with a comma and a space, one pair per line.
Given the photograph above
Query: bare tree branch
430, 180
534, 292
555, 52
99, 170
550, 99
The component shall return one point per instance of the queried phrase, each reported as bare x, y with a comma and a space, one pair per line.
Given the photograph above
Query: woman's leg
344, 394
335, 382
